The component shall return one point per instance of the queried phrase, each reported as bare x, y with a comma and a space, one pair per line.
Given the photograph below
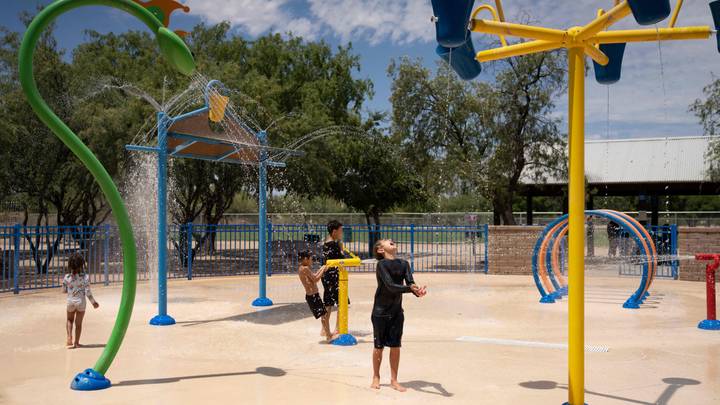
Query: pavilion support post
654, 209
529, 209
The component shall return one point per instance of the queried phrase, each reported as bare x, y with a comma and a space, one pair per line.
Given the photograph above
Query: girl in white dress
77, 285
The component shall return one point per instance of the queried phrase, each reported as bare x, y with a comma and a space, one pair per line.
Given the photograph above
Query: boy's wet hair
333, 225
76, 262
305, 254
378, 255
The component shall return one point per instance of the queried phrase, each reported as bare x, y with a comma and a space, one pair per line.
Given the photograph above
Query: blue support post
487, 236
16, 259
412, 248
262, 300
162, 318
189, 250
106, 254
269, 249
674, 250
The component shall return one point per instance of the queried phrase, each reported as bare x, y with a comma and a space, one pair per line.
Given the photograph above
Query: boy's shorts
388, 330
331, 287
316, 305
74, 306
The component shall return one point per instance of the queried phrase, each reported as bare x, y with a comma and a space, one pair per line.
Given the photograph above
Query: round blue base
547, 299
89, 380
630, 304
162, 320
709, 324
345, 339
262, 302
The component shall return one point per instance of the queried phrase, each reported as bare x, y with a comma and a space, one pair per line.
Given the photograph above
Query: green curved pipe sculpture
179, 56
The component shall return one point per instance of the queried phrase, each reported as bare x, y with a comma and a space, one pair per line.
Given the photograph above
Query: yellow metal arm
517, 30
596, 55
604, 21
650, 34
495, 16
499, 7
349, 262
675, 13
524, 48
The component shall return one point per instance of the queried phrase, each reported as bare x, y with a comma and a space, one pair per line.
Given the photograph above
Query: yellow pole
517, 30
523, 48
576, 218
488, 7
652, 34
500, 11
597, 55
605, 20
675, 13
343, 298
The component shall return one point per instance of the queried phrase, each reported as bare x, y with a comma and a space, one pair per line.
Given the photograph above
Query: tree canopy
480, 137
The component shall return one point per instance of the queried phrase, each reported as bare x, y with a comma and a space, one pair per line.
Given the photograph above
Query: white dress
77, 287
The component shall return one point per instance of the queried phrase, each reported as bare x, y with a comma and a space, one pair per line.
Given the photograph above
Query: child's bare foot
397, 387
375, 383
330, 338
69, 342
77, 345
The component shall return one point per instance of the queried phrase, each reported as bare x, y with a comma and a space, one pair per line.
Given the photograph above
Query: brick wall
510, 249
692, 241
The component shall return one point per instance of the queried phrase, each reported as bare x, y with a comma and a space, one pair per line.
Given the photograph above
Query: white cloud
256, 16
400, 22
375, 21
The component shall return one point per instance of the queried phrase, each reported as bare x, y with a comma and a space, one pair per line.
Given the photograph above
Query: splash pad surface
474, 339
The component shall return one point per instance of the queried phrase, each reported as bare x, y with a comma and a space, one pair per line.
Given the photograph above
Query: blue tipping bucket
452, 19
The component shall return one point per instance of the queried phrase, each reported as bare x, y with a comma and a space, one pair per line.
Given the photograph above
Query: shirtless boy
312, 295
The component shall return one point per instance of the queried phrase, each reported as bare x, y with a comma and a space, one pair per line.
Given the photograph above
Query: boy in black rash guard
387, 315
332, 249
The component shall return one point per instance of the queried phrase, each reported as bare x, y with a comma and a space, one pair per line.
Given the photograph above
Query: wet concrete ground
474, 339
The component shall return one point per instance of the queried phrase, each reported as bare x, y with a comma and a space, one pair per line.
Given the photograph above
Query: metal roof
644, 160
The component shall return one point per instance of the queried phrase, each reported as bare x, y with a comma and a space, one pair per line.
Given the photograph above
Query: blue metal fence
665, 238
36, 257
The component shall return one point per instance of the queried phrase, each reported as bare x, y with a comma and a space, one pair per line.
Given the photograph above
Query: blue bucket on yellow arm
715, 10
648, 12
451, 21
610, 73
461, 59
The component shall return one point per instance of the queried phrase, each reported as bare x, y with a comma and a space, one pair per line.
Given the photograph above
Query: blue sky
651, 99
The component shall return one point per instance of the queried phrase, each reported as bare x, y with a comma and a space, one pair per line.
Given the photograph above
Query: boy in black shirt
387, 315
332, 249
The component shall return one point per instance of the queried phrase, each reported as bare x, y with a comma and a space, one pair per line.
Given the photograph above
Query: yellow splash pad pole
345, 338
580, 42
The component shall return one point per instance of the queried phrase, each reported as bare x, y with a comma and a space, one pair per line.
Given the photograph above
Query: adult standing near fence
332, 249
613, 233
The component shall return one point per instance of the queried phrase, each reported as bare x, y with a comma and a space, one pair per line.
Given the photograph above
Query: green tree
480, 137
39, 168
708, 112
